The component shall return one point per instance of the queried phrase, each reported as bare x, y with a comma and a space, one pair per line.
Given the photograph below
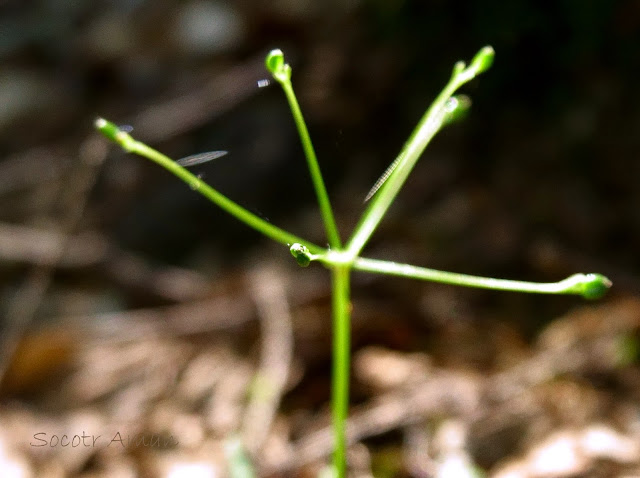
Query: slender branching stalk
435, 117
281, 72
130, 145
342, 260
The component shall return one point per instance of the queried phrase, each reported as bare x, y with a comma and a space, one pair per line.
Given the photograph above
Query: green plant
341, 260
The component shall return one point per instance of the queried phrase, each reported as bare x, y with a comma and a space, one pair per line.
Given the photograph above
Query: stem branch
281, 72
428, 126
133, 146
588, 285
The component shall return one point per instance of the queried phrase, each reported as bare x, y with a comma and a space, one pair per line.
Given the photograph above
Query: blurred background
132, 307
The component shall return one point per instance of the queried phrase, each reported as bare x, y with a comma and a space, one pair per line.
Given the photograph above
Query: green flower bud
301, 254
277, 67
274, 60
594, 286
482, 61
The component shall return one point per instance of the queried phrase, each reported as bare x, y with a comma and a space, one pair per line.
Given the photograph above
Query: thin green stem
428, 126
314, 169
282, 74
340, 279
133, 146
587, 285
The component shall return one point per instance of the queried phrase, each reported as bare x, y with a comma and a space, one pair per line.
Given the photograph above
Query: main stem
340, 280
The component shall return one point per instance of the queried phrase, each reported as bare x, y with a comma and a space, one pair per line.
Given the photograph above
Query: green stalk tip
108, 129
458, 68
483, 60
112, 132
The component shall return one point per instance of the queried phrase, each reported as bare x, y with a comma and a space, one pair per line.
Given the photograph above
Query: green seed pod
301, 254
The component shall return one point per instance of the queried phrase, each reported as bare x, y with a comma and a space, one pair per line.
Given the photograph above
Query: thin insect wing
200, 158
450, 111
382, 179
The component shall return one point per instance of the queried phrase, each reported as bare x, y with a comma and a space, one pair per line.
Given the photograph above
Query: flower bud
301, 254
482, 61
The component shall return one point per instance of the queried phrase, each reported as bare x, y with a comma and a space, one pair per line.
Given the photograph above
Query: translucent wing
454, 109
381, 180
200, 158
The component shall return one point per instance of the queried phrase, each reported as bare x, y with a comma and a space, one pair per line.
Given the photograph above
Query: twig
24, 305
184, 113
41, 247
451, 393
268, 291
219, 314
445, 392
33, 167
